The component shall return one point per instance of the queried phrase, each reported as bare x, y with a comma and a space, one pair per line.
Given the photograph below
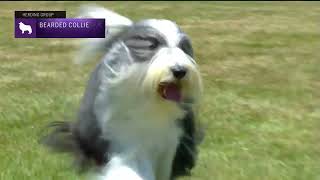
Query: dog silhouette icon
25, 27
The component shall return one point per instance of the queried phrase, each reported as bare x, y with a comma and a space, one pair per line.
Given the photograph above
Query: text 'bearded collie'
137, 116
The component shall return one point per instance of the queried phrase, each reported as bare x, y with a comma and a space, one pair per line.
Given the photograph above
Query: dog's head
151, 58
163, 57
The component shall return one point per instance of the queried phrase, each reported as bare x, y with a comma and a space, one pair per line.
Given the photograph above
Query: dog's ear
115, 25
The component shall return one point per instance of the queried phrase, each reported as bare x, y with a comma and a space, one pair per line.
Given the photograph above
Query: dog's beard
160, 84
151, 82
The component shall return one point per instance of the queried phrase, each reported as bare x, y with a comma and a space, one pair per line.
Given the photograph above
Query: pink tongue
172, 92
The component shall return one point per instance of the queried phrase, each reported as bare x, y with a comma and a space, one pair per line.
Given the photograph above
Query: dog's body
136, 120
24, 27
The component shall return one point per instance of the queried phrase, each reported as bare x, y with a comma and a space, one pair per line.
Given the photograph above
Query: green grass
260, 63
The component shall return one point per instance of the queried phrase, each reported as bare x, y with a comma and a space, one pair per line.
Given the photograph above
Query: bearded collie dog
137, 118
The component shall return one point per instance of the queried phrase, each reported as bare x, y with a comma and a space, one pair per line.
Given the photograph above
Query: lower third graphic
59, 28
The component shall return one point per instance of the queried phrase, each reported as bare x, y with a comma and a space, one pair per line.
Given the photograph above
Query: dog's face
161, 62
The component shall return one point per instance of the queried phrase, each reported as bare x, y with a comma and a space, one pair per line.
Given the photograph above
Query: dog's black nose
179, 71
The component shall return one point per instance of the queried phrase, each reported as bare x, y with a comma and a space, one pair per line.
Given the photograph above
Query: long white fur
141, 125
143, 133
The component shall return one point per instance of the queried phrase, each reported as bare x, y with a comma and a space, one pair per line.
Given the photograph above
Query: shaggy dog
137, 116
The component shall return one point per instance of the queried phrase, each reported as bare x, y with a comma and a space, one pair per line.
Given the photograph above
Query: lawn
260, 62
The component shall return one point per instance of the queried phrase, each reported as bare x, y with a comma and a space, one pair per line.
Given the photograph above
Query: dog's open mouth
170, 91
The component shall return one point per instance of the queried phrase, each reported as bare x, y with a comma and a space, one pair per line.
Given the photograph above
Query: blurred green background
261, 68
